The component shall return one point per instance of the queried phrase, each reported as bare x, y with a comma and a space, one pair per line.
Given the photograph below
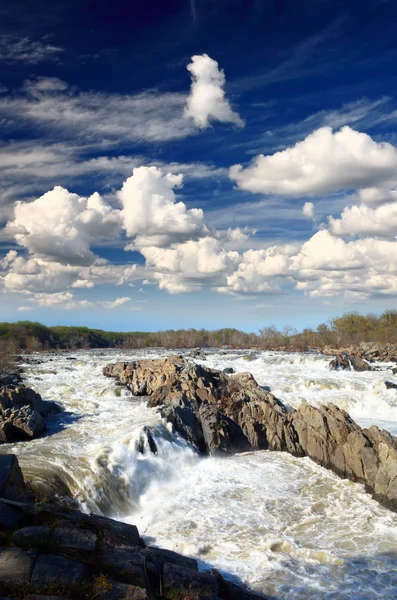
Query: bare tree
8, 350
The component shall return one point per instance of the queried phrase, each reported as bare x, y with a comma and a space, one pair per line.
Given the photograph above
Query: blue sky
197, 163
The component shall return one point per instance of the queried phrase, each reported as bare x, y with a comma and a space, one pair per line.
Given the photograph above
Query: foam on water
283, 525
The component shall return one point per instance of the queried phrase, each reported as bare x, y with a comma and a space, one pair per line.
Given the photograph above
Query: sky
197, 163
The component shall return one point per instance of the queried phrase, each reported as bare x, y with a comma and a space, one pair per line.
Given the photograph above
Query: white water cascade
284, 526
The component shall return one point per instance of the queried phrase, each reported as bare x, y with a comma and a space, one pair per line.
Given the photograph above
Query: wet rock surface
49, 552
220, 413
22, 413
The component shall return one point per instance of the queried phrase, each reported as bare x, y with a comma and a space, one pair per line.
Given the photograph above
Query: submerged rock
220, 413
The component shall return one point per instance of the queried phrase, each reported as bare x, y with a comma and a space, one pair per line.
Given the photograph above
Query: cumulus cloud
324, 162
365, 221
151, 214
207, 100
188, 266
308, 210
60, 226
377, 195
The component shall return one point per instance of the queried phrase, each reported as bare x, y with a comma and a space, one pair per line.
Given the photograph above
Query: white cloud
323, 162
83, 283
97, 117
207, 95
150, 211
308, 210
116, 303
15, 49
189, 266
365, 221
60, 226
377, 195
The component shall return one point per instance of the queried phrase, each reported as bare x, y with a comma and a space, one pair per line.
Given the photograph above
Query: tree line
351, 328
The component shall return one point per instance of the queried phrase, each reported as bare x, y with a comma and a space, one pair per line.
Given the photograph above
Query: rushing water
284, 526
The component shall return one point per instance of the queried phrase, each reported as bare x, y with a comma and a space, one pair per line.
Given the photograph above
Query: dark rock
81, 540
186, 581
146, 439
10, 517
349, 363
390, 385
27, 424
123, 591
15, 566
228, 371
12, 484
33, 537
124, 564
115, 533
160, 556
53, 570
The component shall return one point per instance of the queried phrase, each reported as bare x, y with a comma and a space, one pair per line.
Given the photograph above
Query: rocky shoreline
49, 552
219, 413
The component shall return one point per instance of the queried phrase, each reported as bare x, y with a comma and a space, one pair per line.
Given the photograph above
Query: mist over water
283, 525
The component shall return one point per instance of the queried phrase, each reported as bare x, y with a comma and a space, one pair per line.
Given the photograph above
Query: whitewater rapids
284, 526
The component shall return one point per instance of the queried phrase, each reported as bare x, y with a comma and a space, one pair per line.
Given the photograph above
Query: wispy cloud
15, 49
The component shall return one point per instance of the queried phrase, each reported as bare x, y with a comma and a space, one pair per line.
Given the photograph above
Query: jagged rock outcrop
218, 413
22, 413
50, 552
350, 362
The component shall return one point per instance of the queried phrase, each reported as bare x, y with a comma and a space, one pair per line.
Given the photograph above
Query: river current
284, 526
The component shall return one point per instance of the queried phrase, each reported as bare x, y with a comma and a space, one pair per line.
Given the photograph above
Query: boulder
349, 362
123, 591
22, 413
12, 484
390, 385
228, 371
124, 564
15, 566
58, 571
183, 582
10, 517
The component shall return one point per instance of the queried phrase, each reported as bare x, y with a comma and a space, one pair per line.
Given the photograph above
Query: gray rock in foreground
221, 413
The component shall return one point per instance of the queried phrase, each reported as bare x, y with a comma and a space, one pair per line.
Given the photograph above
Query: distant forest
349, 329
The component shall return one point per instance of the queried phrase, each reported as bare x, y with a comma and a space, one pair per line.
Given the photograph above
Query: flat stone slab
116, 533
50, 569
83, 540
177, 579
124, 564
15, 566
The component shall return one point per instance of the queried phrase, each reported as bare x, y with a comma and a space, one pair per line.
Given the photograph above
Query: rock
114, 533
81, 540
160, 556
33, 537
350, 363
12, 484
22, 413
390, 385
15, 566
180, 580
123, 591
146, 439
228, 371
124, 564
52, 570
10, 517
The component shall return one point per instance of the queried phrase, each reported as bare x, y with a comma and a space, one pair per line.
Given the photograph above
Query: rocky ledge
218, 414
48, 552
22, 413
